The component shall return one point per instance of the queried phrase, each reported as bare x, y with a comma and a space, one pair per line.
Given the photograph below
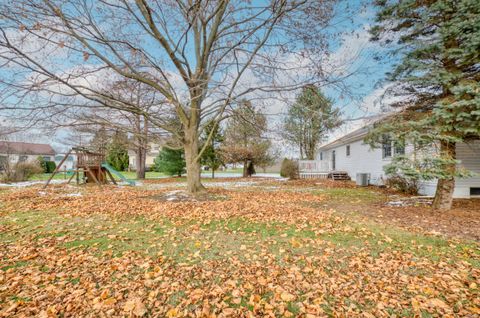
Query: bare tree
136, 125
309, 120
201, 56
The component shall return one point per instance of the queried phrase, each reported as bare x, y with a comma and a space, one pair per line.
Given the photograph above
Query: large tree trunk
310, 153
140, 158
444, 193
194, 184
245, 168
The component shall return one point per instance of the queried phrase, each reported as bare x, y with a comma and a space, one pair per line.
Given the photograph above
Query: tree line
244, 140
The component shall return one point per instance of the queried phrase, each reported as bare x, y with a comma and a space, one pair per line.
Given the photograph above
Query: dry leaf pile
252, 254
255, 205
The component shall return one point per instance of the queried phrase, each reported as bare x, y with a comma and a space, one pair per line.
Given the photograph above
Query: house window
321, 155
348, 150
46, 158
386, 147
474, 191
22, 158
399, 149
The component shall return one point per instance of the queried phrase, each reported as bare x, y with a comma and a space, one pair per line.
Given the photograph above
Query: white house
68, 164
350, 154
13, 152
152, 153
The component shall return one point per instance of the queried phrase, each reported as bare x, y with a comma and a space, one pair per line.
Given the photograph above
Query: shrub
22, 171
403, 184
50, 166
289, 169
42, 163
403, 175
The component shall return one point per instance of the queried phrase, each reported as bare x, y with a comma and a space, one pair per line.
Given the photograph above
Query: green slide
117, 174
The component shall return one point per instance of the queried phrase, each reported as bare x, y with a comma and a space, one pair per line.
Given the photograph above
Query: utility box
363, 179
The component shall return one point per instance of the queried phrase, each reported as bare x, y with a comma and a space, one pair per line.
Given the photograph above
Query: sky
366, 85
352, 52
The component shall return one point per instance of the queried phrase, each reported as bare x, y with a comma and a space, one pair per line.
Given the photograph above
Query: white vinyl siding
367, 160
469, 156
363, 159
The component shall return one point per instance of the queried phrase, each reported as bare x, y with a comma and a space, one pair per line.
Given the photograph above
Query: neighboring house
152, 153
350, 154
13, 152
68, 164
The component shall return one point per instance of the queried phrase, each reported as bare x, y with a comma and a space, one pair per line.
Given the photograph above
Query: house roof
25, 148
355, 135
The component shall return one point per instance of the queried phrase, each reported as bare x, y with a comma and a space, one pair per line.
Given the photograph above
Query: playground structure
90, 167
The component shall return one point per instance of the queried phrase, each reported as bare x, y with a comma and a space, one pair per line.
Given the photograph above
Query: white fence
313, 166
313, 169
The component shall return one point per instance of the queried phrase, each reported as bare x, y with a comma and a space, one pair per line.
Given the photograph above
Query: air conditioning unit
363, 179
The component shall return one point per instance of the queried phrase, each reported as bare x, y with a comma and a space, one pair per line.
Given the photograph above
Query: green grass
45, 176
379, 238
148, 175
351, 195
131, 175
127, 174
217, 239
14, 265
187, 242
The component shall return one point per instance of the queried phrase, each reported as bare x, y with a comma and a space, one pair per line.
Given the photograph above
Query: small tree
211, 157
100, 141
170, 161
309, 120
117, 155
245, 139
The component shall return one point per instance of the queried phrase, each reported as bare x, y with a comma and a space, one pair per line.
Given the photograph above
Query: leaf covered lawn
248, 252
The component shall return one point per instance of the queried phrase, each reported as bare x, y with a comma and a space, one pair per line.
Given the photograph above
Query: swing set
90, 167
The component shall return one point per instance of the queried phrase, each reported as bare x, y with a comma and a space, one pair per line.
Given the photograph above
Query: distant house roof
25, 148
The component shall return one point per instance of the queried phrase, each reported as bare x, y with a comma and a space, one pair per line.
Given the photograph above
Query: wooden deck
313, 175
316, 169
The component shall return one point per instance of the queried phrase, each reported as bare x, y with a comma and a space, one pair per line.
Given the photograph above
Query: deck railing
313, 166
313, 169
90, 159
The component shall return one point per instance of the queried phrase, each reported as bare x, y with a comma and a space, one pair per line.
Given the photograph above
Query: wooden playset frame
89, 167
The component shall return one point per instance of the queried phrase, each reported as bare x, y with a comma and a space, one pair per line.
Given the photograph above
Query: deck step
313, 175
339, 175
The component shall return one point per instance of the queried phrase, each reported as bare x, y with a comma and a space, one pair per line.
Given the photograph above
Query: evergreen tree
211, 156
309, 120
117, 151
170, 161
438, 77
